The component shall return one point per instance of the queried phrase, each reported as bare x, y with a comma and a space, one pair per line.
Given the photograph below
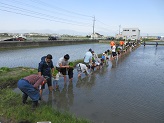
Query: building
96, 36
131, 34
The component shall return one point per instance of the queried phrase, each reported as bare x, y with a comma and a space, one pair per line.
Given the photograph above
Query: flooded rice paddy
127, 90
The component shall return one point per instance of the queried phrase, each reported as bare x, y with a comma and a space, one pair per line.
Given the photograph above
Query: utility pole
94, 27
119, 29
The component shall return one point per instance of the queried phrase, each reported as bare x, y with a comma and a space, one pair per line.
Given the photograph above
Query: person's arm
40, 67
63, 66
52, 67
86, 70
39, 82
52, 70
39, 73
90, 60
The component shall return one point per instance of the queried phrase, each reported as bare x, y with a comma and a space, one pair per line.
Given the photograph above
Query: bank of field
11, 108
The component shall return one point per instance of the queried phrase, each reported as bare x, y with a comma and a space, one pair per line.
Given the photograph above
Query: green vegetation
71, 64
10, 76
55, 72
12, 109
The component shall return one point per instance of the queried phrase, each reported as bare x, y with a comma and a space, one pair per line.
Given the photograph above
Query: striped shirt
35, 80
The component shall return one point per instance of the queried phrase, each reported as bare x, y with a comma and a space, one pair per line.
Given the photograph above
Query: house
96, 36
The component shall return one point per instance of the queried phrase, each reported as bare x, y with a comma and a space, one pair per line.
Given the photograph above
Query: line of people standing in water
33, 85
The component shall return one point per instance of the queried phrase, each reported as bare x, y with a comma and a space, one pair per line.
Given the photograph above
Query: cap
66, 56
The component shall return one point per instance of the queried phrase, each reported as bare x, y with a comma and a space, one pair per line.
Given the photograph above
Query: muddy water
127, 90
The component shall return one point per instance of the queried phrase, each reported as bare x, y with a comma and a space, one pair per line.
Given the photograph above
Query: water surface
30, 57
128, 90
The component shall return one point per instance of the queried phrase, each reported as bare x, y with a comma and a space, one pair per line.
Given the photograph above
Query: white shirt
62, 61
114, 48
81, 68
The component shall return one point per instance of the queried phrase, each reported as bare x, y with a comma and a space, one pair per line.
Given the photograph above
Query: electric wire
37, 13
25, 12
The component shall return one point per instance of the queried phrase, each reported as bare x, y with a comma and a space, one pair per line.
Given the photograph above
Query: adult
144, 43
122, 44
114, 51
88, 57
29, 85
112, 44
46, 68
82, 68
63, 65
95, 60
156, 44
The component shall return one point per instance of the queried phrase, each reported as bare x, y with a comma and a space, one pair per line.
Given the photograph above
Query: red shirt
35, 80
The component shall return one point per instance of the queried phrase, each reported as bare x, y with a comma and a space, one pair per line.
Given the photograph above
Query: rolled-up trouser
28, 89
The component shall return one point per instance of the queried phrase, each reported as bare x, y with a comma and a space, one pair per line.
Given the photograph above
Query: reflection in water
70, 94
86, 82
114, 63
64, 97
156, 50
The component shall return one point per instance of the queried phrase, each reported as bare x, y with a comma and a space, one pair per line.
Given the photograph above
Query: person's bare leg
41, 91
50, 89
65, 78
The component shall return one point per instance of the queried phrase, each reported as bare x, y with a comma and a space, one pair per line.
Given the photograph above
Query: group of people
92, 62
33, 85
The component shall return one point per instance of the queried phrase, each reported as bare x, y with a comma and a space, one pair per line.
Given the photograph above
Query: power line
93, 26
39, 17
28, 5
61, 9
37, 13
26, 12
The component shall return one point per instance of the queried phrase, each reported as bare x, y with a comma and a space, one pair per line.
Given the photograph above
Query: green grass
12, 108
10, 76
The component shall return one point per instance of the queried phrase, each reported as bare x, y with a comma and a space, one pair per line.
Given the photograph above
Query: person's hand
36, 88
45, 81
54, 75
79, 75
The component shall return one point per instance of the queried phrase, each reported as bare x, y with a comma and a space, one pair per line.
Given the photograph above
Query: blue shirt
88, 57
44, 67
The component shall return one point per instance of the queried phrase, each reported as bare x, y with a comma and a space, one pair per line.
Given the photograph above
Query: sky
82, 17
